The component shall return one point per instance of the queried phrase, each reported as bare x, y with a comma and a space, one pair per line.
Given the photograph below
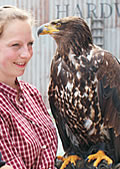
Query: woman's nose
24, 52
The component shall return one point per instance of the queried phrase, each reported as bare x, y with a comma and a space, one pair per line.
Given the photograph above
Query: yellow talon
99, 156
67, 160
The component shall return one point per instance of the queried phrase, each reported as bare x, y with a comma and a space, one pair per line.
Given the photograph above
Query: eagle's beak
47, 29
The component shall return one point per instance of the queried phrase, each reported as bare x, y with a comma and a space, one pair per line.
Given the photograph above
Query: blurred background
102, 16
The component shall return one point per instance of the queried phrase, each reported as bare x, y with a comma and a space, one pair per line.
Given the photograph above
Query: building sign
105, 10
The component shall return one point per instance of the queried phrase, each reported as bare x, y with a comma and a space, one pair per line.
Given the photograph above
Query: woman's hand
6, 167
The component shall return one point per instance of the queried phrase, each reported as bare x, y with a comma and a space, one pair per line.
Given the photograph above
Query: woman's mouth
20, 64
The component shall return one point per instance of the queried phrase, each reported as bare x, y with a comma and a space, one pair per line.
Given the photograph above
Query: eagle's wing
108, 75
109, 95
55, 92
60, 125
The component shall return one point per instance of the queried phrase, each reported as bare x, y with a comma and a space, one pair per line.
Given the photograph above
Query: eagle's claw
67, 160
98, 157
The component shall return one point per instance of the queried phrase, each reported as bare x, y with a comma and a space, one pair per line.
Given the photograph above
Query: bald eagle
84, 93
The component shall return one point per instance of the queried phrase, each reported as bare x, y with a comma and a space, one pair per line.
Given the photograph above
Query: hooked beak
47, 29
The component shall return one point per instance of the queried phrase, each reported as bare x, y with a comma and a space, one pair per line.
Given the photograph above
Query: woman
27, 135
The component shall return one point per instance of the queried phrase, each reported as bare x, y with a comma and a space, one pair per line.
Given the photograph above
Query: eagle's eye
58, 24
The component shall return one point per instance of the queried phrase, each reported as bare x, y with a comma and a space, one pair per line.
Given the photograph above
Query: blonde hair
9, 13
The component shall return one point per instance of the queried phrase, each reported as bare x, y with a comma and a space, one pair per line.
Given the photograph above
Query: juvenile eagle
84, 92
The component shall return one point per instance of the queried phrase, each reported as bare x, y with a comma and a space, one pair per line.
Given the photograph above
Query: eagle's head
69, 32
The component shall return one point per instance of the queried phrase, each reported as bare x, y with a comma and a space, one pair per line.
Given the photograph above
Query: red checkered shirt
27, 135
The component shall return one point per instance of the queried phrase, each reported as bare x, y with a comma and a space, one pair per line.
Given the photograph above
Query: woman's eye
30, 43
16, 44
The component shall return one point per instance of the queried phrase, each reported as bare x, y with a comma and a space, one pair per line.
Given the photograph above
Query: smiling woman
15, 43
16, 50
28, 137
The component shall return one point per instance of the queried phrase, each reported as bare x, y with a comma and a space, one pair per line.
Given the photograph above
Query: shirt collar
6, 89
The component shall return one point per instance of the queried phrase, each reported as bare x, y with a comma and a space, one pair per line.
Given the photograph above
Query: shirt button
33, 122
21, 99
44, 146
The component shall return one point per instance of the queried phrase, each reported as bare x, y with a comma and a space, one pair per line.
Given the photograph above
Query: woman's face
15, 49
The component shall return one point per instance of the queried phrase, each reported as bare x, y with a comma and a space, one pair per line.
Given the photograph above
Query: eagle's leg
99, 156
66, 160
